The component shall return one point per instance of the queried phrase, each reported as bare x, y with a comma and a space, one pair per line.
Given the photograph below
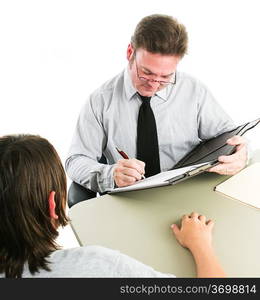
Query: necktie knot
145, 100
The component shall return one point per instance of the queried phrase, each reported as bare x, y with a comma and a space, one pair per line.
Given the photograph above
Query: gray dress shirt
185, 114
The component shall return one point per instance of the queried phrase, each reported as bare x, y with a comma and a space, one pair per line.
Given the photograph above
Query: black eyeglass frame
161, 82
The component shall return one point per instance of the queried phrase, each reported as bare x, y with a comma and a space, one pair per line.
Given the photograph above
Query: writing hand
128, 171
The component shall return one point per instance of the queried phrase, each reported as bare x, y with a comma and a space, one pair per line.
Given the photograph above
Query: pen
122, 153
125, 156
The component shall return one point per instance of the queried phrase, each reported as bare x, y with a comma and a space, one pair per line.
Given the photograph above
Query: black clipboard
209, 150
201, 158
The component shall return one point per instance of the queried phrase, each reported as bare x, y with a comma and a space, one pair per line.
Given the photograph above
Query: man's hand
128, 171
232, 164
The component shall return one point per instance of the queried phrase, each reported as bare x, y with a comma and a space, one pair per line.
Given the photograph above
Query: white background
53, 54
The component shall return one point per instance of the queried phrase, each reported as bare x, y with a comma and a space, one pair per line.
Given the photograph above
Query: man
151, 111
32, 207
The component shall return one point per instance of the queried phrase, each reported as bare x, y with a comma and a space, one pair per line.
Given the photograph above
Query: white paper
160, 179
244, 186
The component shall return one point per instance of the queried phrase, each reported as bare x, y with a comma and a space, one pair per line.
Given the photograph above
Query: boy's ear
52, 205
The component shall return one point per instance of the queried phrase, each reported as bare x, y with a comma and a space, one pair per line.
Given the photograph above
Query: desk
138, 224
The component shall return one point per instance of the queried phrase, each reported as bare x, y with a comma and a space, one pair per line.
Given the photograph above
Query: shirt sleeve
89, 140
212, 119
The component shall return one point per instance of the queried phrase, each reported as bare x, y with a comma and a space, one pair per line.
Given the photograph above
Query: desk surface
138, 224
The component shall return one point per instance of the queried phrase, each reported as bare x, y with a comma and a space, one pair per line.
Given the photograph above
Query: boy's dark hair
30, 169
161, 34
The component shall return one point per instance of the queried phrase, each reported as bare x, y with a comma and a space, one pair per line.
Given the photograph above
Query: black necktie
147, 140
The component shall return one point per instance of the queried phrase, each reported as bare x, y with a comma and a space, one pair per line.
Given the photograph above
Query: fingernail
173, 225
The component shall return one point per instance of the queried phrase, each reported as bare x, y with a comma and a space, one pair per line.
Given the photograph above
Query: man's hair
161, 34
30, 169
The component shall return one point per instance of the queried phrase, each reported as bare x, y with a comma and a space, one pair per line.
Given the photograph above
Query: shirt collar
129, 88
131, 91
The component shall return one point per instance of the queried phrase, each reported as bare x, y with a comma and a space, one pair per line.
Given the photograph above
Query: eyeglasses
161, 82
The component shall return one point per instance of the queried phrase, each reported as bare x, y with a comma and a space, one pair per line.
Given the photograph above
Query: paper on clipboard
161, 179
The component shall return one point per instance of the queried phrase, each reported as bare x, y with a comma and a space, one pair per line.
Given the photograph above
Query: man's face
158, 67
